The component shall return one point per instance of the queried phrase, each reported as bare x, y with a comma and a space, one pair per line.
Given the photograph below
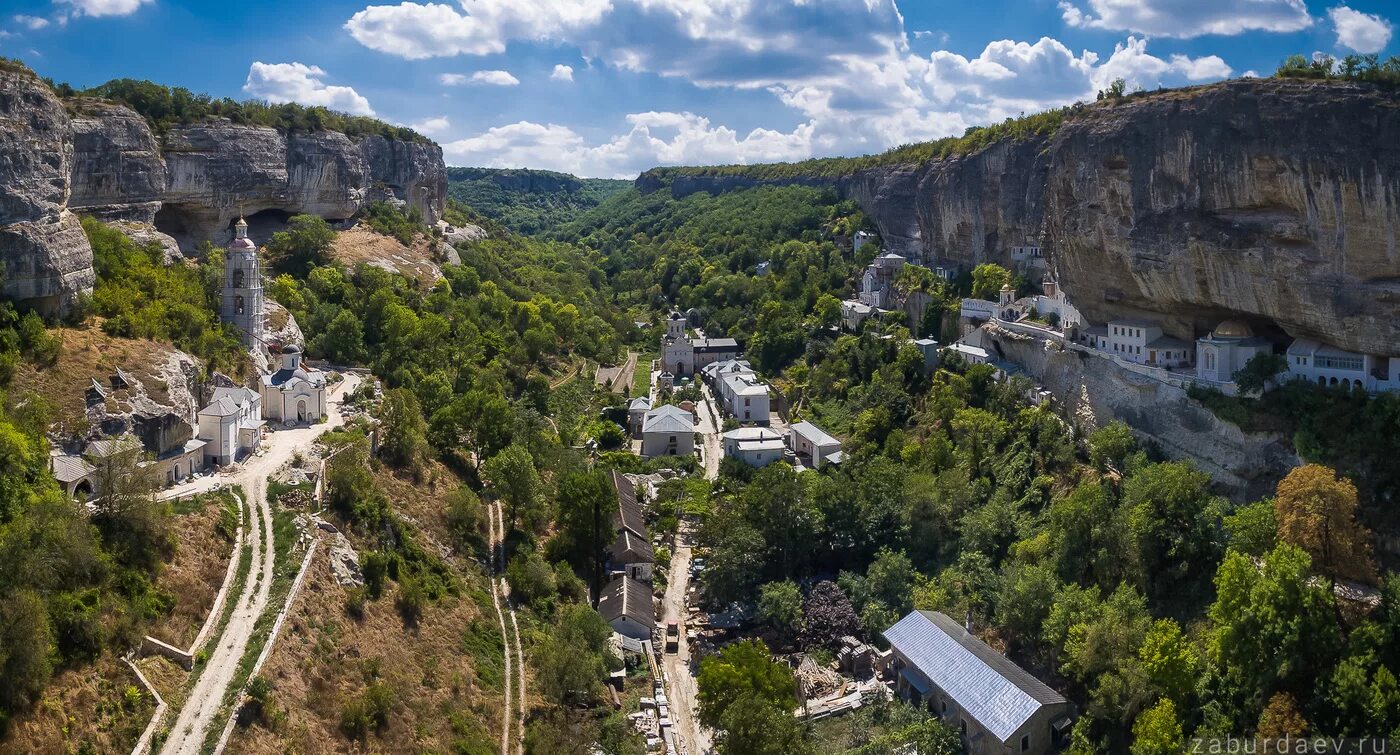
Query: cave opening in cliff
263, 223
178, 221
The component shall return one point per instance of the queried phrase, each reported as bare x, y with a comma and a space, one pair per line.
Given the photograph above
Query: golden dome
1233, 329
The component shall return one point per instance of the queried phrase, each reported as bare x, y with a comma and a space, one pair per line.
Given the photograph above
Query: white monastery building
668, 431
755, 446
813, 446
294, 394
1227, 350
232, 425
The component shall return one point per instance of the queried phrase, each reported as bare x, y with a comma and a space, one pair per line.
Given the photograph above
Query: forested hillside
1160, 608
528, 201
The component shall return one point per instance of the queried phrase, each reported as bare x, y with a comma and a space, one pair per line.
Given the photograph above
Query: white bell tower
242, 303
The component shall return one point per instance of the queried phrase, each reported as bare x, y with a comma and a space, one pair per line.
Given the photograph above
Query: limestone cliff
1277, 201
1091, 392
44, 253
103, 159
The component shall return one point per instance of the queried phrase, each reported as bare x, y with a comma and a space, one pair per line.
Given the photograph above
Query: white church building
1227, 350
294, 394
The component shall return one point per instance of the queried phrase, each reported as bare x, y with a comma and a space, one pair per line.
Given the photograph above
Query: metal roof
1000, 695
814, 435
668, 419
223, 407
239, 396
629, 511
625, 596
69, 468
628, 548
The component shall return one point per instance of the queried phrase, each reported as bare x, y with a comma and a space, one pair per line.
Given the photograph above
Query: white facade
1141, 342
970, 354
811, 444
242, 300
231, 425
854, 313
668, 431
294, 394
637, 409
744, 397
1333, 367
755, 446
1227, 350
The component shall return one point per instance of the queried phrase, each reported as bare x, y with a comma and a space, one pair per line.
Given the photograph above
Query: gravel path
201, 708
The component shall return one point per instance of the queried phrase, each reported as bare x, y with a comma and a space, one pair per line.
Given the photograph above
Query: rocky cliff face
45, 255
105, 161
1275, 201
1092, 392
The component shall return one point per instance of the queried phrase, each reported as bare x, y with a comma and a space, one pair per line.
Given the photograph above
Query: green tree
754, 726
1157, 731
405, 434
305, 244
573, 660
743, 673
514, 480
1252, 528
1170, 661
780, 606
586, 503
1274, 628
1258, 371
987, 280
1171, 518
1111, 444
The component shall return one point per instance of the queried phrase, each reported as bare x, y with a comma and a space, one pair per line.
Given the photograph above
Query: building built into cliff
1141, 342
1337, 368
1227, 349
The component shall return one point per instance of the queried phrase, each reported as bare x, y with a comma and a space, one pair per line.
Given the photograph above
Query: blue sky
611, 87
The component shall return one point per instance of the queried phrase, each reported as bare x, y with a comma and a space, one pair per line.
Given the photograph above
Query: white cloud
653, 138
495, 78
562, 73
452, 79
296, 82
432, 126
105, 7
1187, 18
412, 30
845, 68
31, 22
1362, 32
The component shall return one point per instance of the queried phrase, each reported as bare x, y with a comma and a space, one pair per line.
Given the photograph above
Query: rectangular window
1025, 742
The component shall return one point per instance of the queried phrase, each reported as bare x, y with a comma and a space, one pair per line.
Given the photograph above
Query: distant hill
529, 201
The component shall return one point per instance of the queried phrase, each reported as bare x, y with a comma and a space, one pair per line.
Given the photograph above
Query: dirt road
202, 707
512, 716
681, 689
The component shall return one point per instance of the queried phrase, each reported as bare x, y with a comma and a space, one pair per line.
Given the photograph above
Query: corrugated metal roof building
998, 706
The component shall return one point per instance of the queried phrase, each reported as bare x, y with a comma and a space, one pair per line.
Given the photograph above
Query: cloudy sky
612, 87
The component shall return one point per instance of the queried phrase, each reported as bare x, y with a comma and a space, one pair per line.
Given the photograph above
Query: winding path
512, 716
202, 707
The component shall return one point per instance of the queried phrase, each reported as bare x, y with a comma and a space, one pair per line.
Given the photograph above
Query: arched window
238, 279
1321, 380
1334, 381
238, 305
